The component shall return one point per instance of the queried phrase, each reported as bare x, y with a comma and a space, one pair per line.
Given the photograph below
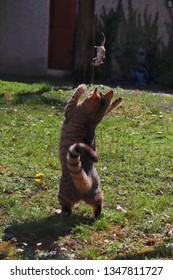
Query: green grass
135, 150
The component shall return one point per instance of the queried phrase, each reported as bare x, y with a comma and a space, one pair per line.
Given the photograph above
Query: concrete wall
24, 37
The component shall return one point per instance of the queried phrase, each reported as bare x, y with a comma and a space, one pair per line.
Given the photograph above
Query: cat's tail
81, 180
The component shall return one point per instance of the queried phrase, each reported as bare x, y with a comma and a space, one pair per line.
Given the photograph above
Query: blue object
141, 75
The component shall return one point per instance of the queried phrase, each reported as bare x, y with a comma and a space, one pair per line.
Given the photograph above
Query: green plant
128, 32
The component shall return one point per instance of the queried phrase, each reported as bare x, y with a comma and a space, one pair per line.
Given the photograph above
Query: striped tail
81, 180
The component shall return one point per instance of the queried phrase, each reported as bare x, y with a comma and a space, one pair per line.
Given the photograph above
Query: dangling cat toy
98, 60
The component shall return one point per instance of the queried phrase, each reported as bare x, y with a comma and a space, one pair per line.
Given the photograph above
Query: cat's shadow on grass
31, 237
36, 239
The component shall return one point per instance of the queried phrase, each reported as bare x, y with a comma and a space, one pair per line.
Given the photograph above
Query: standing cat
80, 180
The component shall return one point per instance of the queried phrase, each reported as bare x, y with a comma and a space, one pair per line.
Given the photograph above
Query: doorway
61, 31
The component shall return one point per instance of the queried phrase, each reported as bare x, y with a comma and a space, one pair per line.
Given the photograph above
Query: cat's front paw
81, 89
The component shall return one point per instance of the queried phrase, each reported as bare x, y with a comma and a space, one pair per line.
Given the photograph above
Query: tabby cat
77, 150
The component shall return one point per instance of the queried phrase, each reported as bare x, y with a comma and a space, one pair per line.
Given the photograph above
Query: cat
98, 60
77, 149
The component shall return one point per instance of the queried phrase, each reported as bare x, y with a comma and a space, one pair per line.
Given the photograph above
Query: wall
24, 37
159, 6
130, 25
24, 32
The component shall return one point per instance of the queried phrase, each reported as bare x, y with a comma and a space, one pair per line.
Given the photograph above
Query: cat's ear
94, 94
109, 94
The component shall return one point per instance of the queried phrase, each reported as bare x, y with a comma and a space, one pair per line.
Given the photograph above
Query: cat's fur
77, 150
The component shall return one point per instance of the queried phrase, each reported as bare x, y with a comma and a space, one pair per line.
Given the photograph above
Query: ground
134, 146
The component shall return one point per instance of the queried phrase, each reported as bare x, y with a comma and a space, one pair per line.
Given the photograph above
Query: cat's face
96, 105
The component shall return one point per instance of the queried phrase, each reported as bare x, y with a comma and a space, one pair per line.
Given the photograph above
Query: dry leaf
121, 209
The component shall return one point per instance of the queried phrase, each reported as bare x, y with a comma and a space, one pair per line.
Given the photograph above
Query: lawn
135, 150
